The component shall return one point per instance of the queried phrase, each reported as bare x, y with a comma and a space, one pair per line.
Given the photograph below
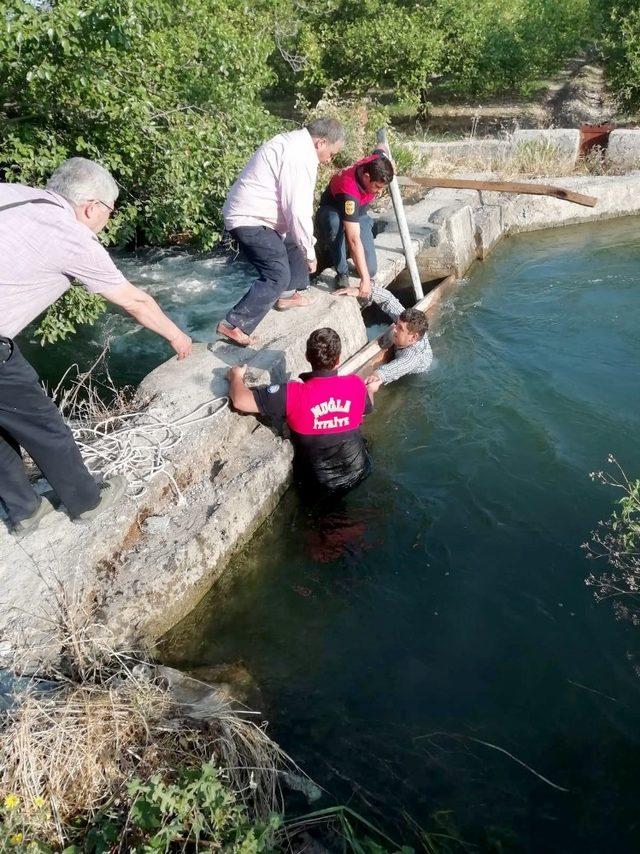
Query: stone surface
566, 141
623, 151
489, 228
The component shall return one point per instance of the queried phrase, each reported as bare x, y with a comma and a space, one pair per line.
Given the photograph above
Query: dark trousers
30, 420
282, 270
330, 232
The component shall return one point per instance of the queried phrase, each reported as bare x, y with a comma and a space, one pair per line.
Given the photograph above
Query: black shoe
111, 492
28, 525
341, 281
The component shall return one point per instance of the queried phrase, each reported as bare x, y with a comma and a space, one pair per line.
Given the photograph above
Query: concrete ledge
566, 141
623, 151
463, 148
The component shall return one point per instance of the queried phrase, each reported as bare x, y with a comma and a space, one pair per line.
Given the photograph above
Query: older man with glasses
47, 240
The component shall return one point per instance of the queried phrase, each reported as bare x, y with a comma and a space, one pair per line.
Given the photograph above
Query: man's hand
364, 291
373, 383
182, 344
312, 266
237, 371
351, 291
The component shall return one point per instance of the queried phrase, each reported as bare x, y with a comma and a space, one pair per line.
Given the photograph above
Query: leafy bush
165, 94
474, 48
621, 47
197, 808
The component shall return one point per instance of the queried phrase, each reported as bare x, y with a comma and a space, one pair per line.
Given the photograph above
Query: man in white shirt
48, 239
269, 212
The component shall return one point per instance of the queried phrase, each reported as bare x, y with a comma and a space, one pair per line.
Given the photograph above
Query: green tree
165, 94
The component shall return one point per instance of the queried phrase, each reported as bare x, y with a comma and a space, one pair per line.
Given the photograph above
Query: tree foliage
621, 48
164, 93
479, 48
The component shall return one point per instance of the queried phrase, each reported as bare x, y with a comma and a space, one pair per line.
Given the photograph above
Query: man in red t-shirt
342, 221
324, 413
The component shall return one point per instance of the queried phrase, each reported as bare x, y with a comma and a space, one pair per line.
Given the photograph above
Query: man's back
42, 248
324, 414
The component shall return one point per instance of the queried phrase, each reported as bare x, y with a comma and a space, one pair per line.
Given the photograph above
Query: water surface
444, 599
194, 290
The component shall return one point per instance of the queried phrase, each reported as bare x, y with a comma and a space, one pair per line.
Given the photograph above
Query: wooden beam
505, 187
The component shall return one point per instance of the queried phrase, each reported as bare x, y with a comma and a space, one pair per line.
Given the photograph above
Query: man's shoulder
16, 193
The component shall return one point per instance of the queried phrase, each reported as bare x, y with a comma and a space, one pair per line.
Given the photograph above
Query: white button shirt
276, 189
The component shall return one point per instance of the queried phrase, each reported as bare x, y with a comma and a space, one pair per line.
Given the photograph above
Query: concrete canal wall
146, 566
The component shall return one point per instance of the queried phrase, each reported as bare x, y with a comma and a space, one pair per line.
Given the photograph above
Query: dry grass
70, 750
529, 160
86, 397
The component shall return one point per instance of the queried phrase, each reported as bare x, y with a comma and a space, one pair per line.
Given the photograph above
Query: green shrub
621, 48
165, 94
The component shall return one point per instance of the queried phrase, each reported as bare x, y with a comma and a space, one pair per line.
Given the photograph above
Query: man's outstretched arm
381, 296
143, 308
241, 397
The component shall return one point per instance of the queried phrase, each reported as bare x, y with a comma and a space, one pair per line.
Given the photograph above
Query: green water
445, 597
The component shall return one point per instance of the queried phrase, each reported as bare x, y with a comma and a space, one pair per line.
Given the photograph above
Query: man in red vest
324, 413
342, 222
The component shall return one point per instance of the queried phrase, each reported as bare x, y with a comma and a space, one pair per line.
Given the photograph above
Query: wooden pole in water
401, 219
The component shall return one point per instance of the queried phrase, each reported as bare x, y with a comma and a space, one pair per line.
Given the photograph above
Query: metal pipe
401, 219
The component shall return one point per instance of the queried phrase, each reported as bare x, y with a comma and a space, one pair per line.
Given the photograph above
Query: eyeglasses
108, 207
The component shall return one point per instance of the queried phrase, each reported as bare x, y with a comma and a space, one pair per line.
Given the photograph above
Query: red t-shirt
324, 414
346, 194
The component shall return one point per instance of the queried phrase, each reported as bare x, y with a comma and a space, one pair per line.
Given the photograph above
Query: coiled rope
135, 444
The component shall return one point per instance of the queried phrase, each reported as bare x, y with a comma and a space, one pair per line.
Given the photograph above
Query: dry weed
106, 716
529, 160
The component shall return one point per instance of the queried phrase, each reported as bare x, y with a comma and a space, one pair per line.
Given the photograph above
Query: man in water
324, 413
269, 212
48, 239
342, 221
408, 338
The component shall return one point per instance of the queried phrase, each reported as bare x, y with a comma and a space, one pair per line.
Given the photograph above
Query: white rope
136, 444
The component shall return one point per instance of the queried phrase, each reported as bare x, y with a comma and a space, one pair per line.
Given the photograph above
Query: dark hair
323, 349
327, 128
415, 321
380, 169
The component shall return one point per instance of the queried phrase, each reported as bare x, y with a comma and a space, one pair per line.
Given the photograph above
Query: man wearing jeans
269, 212
48, 239
342, 221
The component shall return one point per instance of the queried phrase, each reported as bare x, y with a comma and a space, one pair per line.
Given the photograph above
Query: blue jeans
330, 232
282, 270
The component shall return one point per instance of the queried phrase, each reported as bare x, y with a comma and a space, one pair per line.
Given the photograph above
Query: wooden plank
506, 187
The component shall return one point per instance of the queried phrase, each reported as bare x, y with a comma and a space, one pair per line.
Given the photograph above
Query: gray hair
327, 128
79, 180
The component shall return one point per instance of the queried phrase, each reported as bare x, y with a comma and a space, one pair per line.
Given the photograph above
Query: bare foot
233, 333
296, 301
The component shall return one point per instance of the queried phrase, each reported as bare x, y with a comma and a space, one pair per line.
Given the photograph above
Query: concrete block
471, 149
567, 142
617, 196
623, 151
456, 247
489, 228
